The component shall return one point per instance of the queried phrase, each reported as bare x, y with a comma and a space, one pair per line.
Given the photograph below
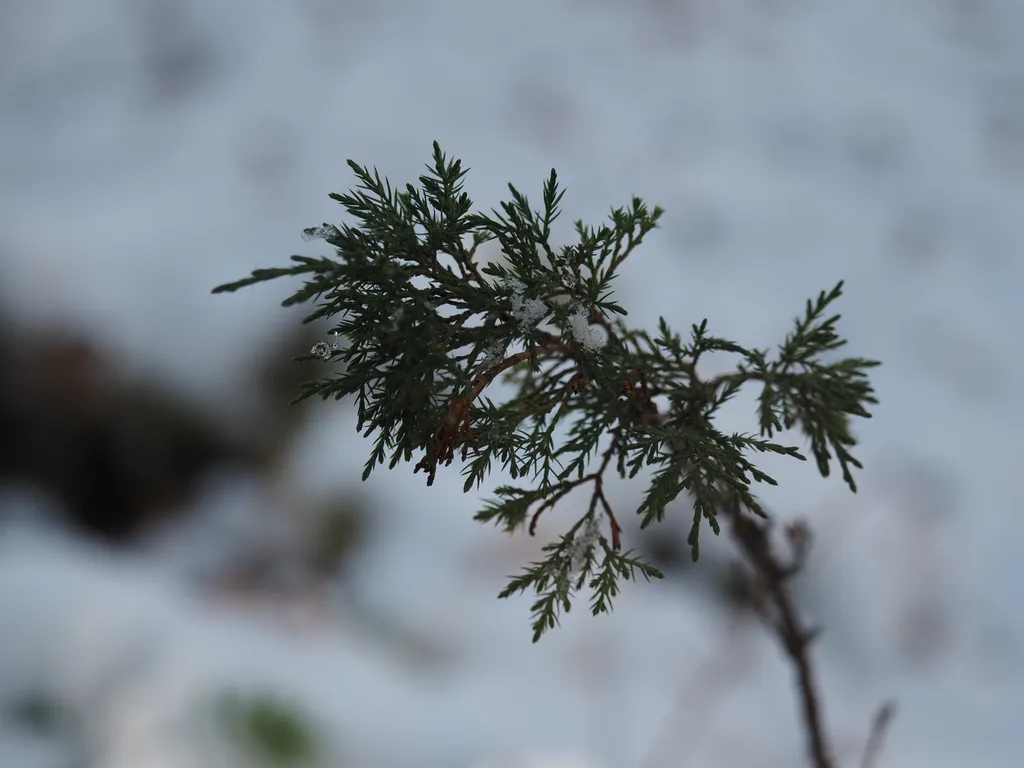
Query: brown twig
455, 429
470, 263
562, 491
599, 492
597, 478
616, 528
879, 727
795, 638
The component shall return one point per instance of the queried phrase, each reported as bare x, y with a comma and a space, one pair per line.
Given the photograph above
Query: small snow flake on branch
492, 355
583, 545
323, 232
528, 312
324, 350
590, 336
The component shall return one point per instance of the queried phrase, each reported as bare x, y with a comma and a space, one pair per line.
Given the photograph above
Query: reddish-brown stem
597, 478
470, 262
565, 488
456, 429
599, 492
616, 528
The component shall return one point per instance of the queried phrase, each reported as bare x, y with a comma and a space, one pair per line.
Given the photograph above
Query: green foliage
270, 731
424, 333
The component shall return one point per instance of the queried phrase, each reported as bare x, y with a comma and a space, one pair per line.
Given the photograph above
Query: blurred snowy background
191, 573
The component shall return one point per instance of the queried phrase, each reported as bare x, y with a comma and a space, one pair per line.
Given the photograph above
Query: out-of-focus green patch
271, 731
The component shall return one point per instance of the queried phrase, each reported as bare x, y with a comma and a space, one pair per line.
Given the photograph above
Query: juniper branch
547, 323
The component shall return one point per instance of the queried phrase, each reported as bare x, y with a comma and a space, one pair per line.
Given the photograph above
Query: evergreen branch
324, 269
425, 334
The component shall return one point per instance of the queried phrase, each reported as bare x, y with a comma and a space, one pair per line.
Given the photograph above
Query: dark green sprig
428, 337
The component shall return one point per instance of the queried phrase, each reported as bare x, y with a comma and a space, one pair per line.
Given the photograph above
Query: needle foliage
422, 332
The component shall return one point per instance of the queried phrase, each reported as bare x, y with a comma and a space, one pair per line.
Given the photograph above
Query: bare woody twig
879, 727
794, 637
597, 478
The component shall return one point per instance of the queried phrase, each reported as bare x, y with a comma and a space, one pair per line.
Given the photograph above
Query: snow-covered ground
151, 150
